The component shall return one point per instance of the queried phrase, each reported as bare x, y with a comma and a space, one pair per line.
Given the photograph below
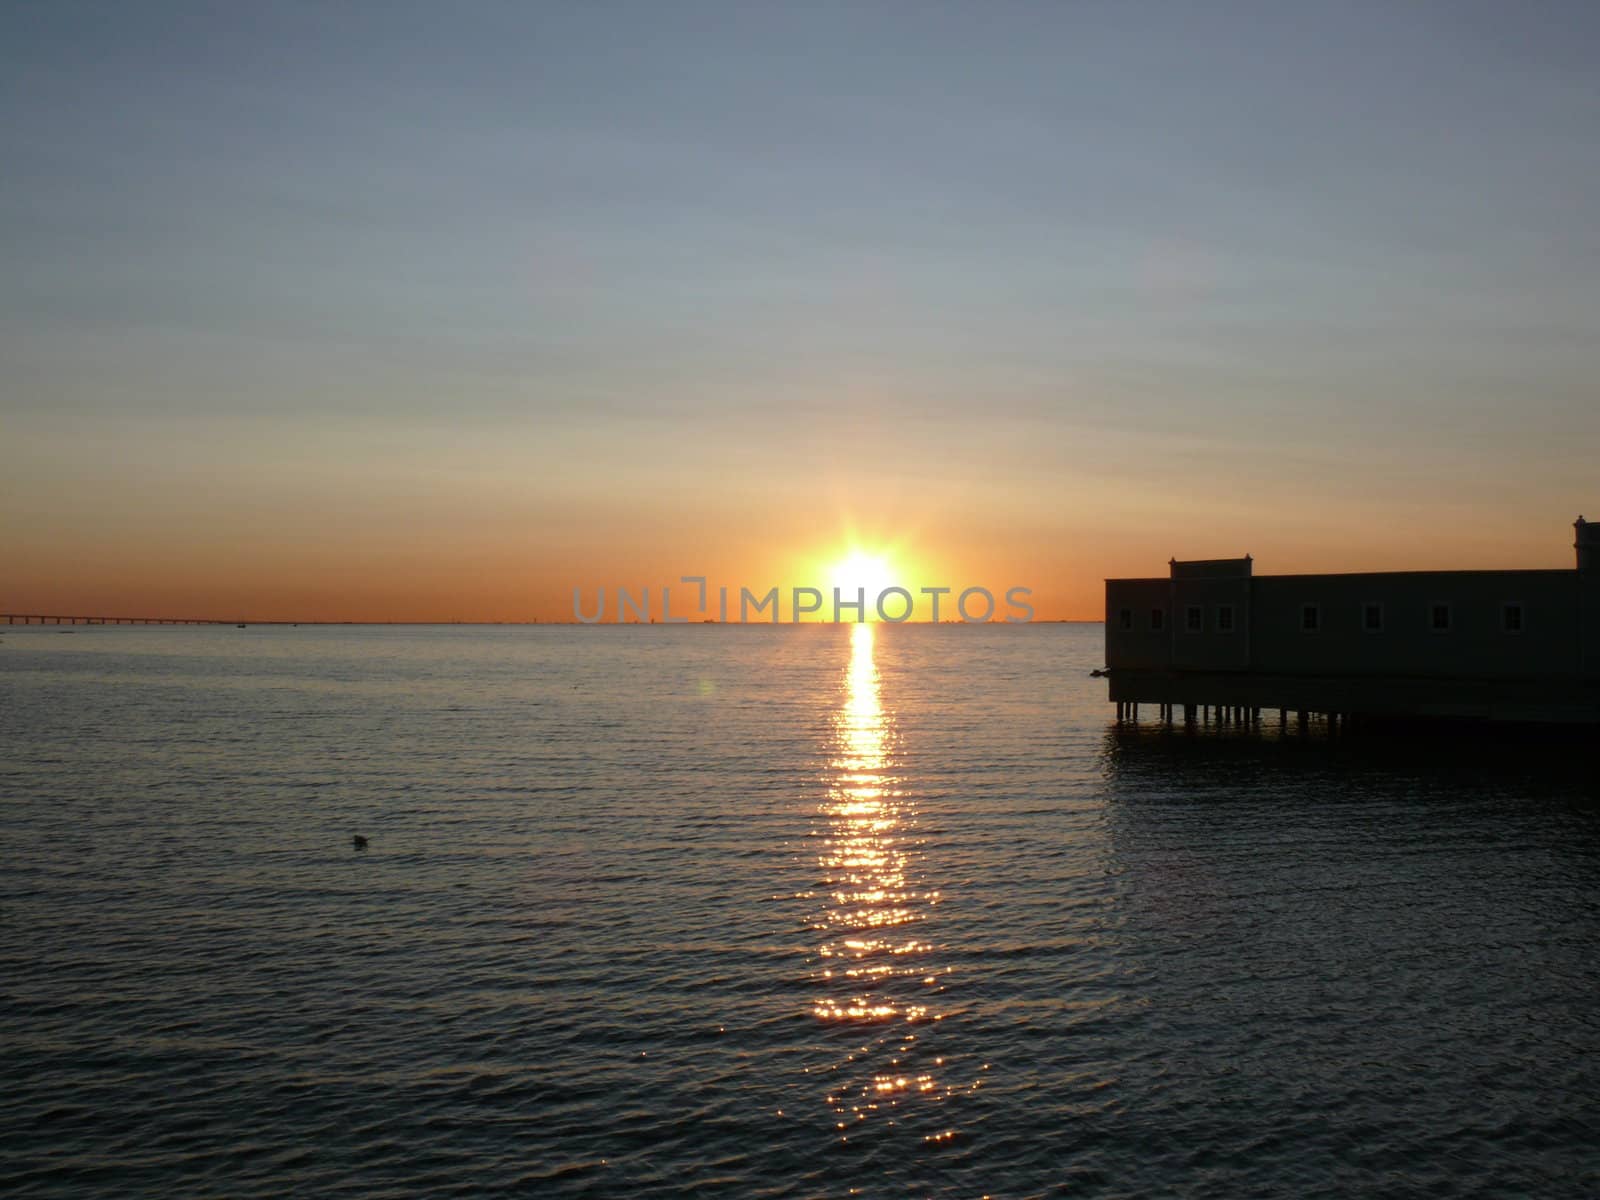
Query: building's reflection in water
877, 978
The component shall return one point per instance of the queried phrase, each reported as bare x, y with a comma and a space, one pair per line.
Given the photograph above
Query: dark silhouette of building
1495, 645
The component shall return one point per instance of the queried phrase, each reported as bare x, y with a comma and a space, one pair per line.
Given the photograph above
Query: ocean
817, 911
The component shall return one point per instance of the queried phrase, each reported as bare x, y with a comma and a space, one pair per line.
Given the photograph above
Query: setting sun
863, 571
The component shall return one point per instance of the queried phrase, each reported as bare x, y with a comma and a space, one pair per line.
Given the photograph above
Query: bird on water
359, 842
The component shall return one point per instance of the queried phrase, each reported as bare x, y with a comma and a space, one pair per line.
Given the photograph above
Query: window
1372, 617
1310, 618
1511, 617
1224, 618
1125, 619
1158, 618
1439, 618
1193, 618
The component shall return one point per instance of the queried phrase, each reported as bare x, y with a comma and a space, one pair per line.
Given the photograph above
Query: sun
862, 570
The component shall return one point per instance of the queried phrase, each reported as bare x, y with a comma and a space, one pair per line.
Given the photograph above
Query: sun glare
861, 570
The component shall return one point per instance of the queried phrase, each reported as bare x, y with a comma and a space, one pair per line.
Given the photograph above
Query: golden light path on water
875, 973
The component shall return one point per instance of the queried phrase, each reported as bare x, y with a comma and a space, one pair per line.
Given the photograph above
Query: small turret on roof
1211, 568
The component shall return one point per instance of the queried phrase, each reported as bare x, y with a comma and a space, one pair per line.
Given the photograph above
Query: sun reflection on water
877, 979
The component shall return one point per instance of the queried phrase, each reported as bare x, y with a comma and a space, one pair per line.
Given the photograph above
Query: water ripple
762, 912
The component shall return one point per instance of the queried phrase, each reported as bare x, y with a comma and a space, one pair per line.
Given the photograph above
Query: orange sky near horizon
152, 520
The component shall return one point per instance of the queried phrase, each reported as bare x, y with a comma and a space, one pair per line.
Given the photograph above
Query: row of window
1194, 619
1441, 618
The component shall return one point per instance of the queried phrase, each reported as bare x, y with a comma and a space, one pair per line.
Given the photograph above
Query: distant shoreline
195, 623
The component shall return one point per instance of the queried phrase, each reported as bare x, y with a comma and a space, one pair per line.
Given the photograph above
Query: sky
436, 312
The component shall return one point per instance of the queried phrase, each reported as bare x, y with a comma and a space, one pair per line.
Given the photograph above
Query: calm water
762, 912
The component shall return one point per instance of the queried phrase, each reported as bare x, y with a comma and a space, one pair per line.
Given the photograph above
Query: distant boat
241, 625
